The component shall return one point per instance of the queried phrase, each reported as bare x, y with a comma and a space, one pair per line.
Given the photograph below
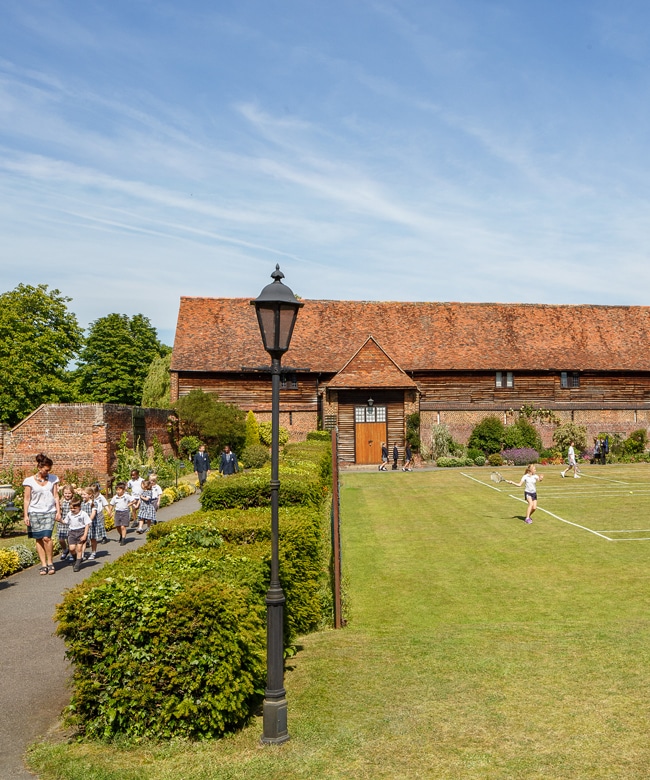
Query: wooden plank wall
542, 389
253, 391
394, 402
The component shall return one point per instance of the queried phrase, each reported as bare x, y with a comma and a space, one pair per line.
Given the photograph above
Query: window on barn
569, 379
504, 379
289, 380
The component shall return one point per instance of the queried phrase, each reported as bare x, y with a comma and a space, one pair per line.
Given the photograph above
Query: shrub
445, 463
521, 456
413, 431
189, 445
265, 434
442, 443
27, 556
474, 453
9, 562
252, 431
252, 489
255, 456
569, 432
319, 436
487, 435
495, 459
480, 460
636, 442
169, 640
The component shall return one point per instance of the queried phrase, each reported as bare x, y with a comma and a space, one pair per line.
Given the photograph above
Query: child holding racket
529, 481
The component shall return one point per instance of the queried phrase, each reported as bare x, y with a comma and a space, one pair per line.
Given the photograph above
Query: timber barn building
365, 366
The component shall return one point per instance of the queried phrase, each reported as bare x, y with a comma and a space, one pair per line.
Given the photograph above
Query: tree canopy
116, 357
156, 391
214, 422
38, 338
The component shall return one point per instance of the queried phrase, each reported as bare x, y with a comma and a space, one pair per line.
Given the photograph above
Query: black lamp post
277, 309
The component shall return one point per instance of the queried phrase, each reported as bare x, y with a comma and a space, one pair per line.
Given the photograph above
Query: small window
569, 379
504, 379
289, 380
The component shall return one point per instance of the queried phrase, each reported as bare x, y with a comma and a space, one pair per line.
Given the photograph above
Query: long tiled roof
221, 334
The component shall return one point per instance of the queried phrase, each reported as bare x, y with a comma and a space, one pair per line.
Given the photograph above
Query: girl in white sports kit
529, 481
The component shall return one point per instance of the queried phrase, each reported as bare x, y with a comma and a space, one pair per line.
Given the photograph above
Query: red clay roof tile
221, 334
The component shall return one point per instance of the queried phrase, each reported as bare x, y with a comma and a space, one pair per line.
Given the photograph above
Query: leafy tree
252, 430
413, 431
636, 442
266, 432
38, 338
522, 433
570, 432
442, 442
215, 423
156, 391
115, 360
488, 435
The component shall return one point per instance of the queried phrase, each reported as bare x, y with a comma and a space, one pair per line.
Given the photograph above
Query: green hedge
169, 640
252, 489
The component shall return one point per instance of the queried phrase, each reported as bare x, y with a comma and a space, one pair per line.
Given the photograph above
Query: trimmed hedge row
169, 640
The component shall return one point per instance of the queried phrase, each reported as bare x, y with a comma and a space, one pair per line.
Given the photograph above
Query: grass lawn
478, 647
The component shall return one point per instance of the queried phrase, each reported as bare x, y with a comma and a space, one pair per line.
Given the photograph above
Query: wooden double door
370, 431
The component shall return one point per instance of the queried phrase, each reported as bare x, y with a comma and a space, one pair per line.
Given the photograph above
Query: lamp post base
274, 715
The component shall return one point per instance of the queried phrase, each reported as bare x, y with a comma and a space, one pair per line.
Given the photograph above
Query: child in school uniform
156, 491
77, 522
101, 503
67, 494
121, 503
90, 508
146, 508
134, 487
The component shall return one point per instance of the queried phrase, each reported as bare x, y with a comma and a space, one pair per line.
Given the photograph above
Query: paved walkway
35, 673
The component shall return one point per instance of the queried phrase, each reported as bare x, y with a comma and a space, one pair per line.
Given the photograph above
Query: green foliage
452, 462
9, 562
115, 360
252, 489
495, 459
636, 442
213, 422
319, 436
539, 415
27, 556
565, 434
38, 338
157, 384
8, 520
252, 431
479, 460
169, 640
265, 434
188, 446
521, 434
146, 461
488, 435
442, 443
413, 431
255, 456
473, 452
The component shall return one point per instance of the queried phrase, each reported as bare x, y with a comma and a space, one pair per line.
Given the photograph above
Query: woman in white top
42, 509
529, 480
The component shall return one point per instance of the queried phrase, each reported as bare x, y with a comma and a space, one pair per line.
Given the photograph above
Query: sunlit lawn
477, 647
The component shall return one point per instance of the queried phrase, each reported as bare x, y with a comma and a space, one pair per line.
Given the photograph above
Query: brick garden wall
79, 437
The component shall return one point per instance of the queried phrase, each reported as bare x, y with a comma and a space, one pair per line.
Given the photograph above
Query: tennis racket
496, 477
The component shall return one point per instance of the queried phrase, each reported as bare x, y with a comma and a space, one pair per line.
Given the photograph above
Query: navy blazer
201, 462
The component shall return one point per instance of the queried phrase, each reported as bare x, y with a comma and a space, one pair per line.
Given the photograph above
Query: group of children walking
83, 514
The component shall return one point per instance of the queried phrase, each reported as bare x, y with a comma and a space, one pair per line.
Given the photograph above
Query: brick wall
461, 423
79, 437
297, 423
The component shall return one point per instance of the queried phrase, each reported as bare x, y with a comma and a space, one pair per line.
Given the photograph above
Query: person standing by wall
201, 463
42, 509
228, 463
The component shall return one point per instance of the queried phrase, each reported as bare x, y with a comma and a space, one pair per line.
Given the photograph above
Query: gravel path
35, 673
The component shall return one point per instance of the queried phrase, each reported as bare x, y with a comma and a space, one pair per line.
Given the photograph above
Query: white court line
562, 520
605, 479
485, 484
633, 531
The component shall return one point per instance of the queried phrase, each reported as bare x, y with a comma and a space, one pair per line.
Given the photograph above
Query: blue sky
458, 150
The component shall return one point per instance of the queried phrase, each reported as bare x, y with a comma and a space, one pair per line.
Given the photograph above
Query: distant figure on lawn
395, 457
201, 463
41, 510
228, 463
572, 462
383, 466
408, 458
596, 458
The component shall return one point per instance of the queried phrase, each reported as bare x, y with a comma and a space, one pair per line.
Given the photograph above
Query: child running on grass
67, 494
529, 480
77, 522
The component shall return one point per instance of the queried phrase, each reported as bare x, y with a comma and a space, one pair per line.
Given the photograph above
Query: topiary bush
480, 460
446, 463
495, 459
252, 489
255, 456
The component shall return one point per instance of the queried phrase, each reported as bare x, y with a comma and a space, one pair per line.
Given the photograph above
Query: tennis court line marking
485, 484
605, 479
562, 520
